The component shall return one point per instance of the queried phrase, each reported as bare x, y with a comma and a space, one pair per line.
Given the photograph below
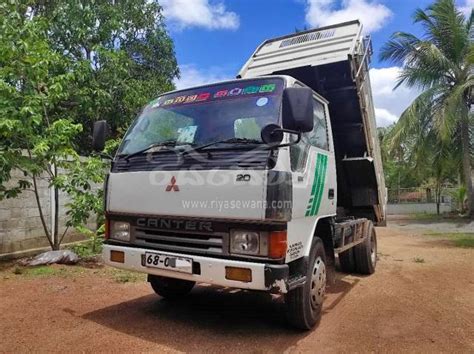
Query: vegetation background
65, 64
432, 142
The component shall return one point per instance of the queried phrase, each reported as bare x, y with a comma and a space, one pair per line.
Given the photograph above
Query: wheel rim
318, 283
373, 249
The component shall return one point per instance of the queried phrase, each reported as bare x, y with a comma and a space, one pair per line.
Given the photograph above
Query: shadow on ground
237, 320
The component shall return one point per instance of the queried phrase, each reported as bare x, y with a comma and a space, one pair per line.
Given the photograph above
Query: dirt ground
421, 299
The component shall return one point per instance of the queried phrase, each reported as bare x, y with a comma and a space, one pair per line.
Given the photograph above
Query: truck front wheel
304, 304
170, 288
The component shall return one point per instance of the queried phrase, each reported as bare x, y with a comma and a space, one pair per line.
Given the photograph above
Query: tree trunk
40, 208
466, 161
438, 195
398, 192
57, 241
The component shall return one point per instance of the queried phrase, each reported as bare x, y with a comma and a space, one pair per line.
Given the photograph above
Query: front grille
255, 159
192, 243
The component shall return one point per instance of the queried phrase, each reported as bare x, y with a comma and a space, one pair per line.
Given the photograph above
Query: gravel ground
421, 299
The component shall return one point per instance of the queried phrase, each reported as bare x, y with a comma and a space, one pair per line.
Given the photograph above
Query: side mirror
297, 109
99, 135
272, 134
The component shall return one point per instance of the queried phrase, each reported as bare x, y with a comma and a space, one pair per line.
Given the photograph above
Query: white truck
258, 183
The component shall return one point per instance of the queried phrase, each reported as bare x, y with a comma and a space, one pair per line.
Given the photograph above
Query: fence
419, 195
419, 200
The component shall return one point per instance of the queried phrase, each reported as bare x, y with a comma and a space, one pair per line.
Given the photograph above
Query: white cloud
199, 13
389, 103
466, 7
372, 14
192, 76
384, 117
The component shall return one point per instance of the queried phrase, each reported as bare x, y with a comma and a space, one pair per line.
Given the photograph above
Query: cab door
313, 169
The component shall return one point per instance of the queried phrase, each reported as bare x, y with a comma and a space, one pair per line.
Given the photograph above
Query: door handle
331, 193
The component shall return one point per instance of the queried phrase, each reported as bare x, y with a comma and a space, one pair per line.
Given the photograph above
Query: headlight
120, 230
248, 242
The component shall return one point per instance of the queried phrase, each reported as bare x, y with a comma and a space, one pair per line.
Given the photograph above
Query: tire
347, 261
170, 288
304, 304
365, 254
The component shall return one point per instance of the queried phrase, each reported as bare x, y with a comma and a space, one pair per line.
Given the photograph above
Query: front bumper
269, 277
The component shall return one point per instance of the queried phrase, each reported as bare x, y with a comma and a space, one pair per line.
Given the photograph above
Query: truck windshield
204, 115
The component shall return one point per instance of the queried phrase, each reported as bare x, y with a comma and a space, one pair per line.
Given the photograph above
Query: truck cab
236, 184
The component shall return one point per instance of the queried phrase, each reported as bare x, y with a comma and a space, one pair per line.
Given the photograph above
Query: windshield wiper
167, 143
225, 141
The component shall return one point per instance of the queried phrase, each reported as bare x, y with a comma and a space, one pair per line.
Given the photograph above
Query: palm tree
441, 65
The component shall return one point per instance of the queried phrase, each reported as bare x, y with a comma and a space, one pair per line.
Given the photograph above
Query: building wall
20, 224
416, 208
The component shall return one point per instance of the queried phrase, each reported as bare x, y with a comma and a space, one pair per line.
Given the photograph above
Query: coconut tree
441, 65
421, 149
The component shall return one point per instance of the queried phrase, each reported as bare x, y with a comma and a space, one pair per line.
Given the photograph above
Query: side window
319, 135
298, 155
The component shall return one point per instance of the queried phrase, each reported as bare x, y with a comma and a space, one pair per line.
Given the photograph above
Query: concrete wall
20, 223
416, 208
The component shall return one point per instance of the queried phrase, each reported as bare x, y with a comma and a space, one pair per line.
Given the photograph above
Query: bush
93, 246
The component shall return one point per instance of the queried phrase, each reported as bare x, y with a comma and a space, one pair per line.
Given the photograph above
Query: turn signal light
239, 274
277, 244
117, 256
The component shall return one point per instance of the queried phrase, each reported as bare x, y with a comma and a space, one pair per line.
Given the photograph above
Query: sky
214, 38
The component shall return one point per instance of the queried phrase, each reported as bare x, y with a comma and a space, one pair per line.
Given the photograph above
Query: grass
118, 275
426, 216
46, 271
64, 271
464, 242
445, 217
125, 276
458, 239
418, 260
87, 249
90, 265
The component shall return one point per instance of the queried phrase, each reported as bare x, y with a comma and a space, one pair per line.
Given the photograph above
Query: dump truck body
334, 62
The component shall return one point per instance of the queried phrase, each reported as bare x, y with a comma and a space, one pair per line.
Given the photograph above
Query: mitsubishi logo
172, 186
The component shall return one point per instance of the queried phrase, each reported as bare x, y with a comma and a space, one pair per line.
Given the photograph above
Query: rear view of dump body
334, 61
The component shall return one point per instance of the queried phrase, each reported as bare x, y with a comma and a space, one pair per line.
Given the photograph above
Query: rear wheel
170, 288
304, 304
365, 254
347, 261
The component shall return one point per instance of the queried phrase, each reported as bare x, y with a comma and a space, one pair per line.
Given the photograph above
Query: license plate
163, 261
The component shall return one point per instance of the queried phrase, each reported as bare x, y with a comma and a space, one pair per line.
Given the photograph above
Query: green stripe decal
316, 174
322, 180
318, 185
313, 189
317, 182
